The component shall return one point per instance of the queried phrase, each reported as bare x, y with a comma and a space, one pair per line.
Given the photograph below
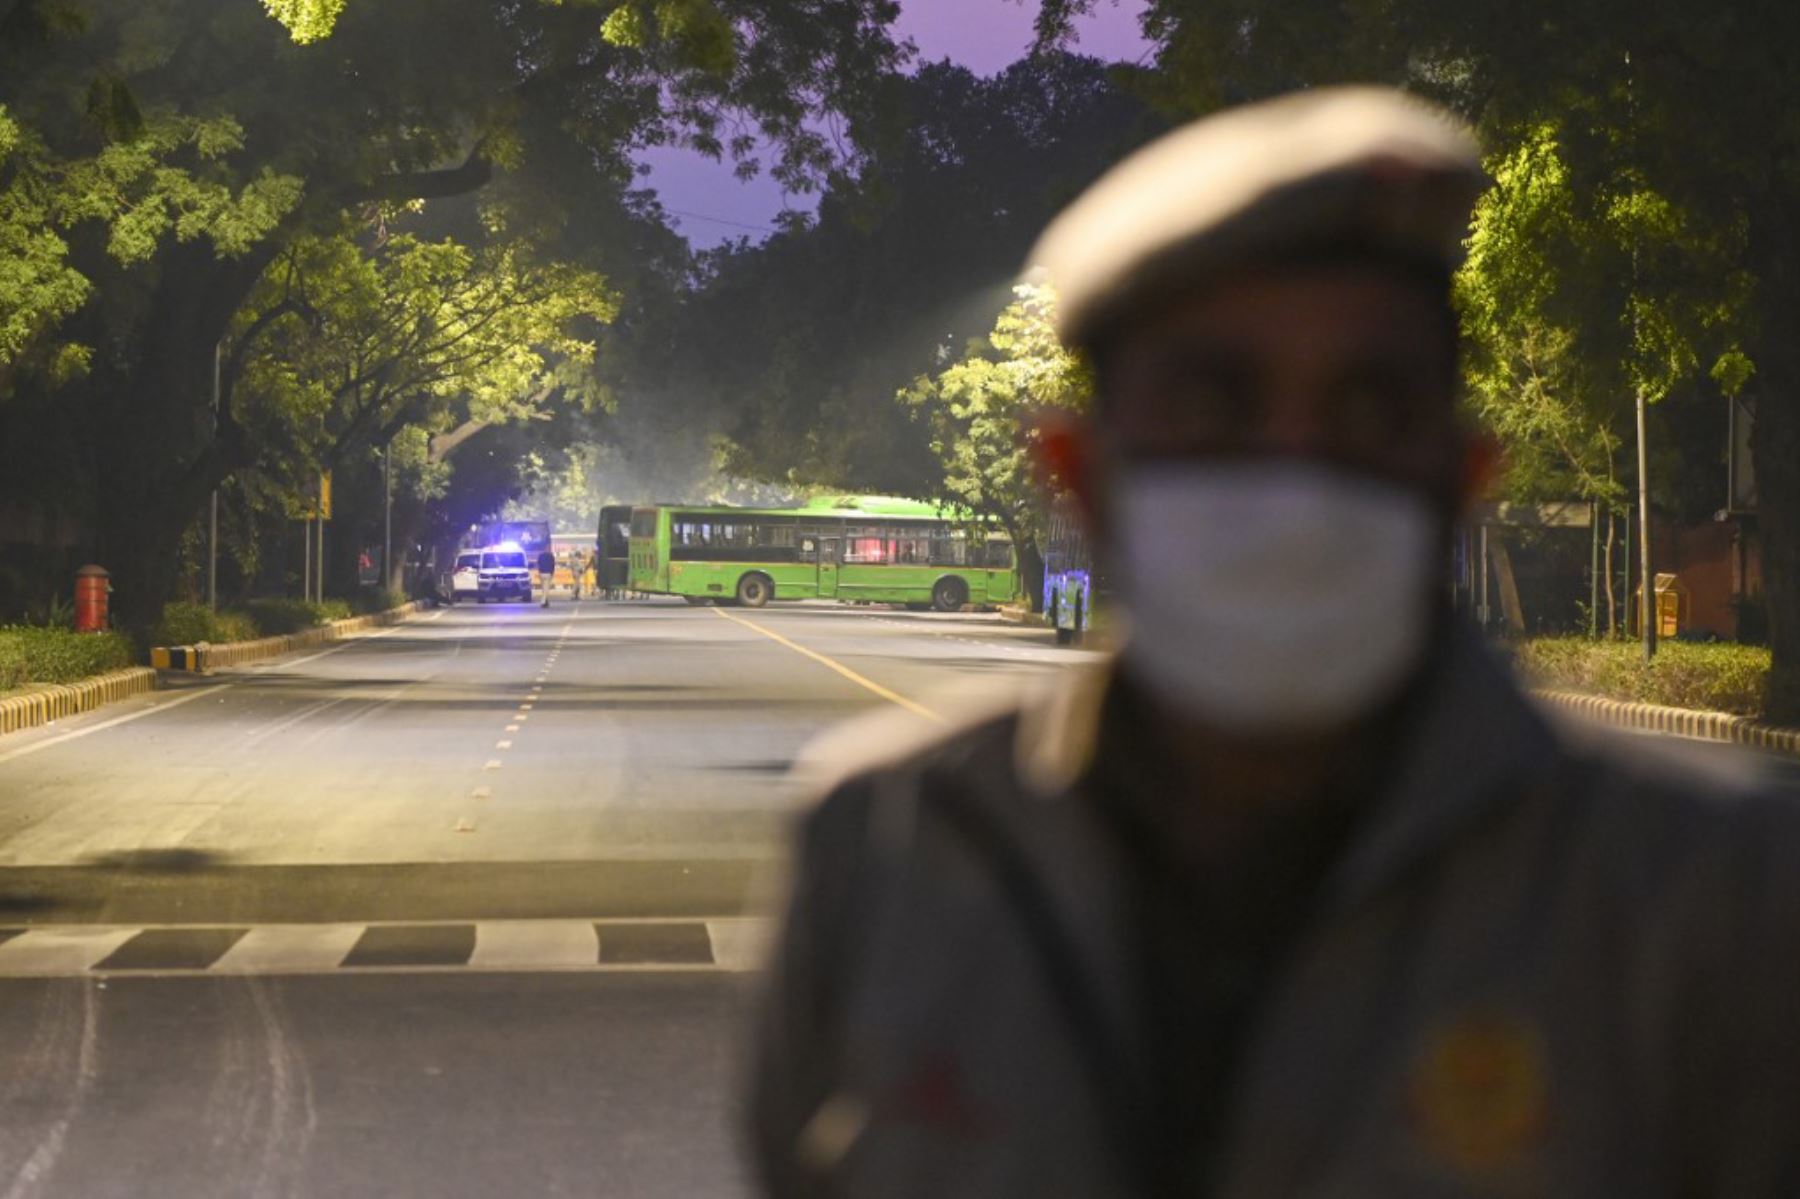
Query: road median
1690, 723
43, 703
205, 658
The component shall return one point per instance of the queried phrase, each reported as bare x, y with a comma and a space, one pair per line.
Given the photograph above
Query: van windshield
505, 559
468, 561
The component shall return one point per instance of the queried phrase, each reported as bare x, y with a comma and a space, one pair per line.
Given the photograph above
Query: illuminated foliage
983, 411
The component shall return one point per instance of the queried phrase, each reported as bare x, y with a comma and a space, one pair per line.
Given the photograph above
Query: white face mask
1270, 598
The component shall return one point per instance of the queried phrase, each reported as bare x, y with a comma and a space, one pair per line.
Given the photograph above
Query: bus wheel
949, 595
753, 591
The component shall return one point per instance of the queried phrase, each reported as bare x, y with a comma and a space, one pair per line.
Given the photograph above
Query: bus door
1002, 572
829, 548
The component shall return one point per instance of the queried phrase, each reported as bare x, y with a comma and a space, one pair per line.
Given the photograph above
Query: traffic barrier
53, 701
203, 658
1676, 722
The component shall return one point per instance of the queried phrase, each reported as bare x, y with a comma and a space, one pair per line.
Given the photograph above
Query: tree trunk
1031, 574
152, 451
1510, 606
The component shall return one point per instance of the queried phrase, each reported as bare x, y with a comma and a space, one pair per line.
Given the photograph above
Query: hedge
52, 655
1714, 676
276, 617
190, 624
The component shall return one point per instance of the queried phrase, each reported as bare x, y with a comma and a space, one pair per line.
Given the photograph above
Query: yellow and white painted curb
1676, 722
41, 705
202, 658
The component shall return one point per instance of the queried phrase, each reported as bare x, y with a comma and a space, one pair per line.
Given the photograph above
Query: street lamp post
212, 538
387, 515
1646, 581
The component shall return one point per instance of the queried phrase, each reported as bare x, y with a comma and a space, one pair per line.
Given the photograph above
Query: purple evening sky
984, 35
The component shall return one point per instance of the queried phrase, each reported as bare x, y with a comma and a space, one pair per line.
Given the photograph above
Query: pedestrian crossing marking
60, 951
535, 945
289, 948
732, 944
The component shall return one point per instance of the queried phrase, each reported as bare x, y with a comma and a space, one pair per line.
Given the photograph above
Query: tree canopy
165, 164
1654, 142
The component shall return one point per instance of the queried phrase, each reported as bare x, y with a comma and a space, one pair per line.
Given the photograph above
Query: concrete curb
1023, 616
204, 658
53, 701
1676, 722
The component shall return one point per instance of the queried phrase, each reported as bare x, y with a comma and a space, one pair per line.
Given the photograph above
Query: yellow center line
821, 659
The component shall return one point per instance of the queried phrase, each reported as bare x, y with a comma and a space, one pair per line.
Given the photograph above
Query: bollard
92, 587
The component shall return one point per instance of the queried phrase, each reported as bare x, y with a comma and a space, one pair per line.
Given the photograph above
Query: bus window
999, 555
911, 550
950, 550
865, 550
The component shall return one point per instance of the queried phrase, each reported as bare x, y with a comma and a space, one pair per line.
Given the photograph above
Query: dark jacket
1536, 969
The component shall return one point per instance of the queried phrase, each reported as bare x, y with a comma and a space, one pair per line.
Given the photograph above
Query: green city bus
870, 549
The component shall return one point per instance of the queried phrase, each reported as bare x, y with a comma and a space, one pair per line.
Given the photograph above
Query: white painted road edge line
164, 706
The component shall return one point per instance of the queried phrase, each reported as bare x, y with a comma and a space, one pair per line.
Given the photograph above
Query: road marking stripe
23, 750
503, 745
891, 696
535, 944
740, 945
280, 948
60, 950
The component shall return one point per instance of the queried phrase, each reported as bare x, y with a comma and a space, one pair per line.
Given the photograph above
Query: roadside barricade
53, 701
203, 658
1676, 722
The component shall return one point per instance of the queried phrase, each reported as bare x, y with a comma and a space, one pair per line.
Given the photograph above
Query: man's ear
1064, 459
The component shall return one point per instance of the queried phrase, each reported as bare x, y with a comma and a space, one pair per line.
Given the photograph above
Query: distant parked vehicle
465, 576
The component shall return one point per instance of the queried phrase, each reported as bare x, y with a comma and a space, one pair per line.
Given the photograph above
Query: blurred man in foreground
1300, 896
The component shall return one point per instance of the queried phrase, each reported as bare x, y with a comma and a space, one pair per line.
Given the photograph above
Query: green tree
983, 413
1683, 117
527, 104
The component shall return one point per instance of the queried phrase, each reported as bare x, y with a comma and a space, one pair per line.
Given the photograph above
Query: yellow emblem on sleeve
1480, 1090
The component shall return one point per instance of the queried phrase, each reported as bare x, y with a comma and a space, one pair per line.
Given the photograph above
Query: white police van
498, 572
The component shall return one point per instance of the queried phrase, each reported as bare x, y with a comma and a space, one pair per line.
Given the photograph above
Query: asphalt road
453, 909
468, 907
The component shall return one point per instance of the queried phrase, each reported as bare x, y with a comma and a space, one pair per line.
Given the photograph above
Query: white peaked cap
1343, 166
